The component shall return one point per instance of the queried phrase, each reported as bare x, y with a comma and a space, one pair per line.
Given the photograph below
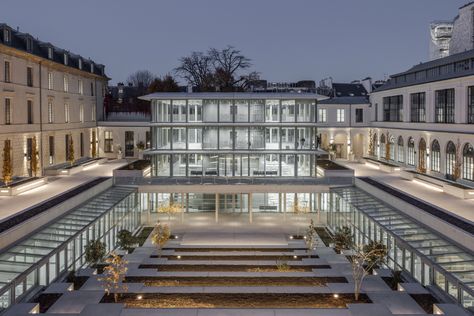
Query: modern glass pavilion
428, 257
51, 251
233, 134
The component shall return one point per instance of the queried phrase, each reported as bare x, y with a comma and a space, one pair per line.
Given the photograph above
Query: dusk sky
286, 40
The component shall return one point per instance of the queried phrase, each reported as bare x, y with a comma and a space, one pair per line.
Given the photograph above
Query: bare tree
197, 70
216, 69
228, 62
141, 78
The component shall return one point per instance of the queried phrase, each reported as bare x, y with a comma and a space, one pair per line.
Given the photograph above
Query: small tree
125, 239
170, 208
299, 209
363, 261
34, 166
457, 162
376, 253
114, 274
70, 152
160, 236
94, 252
343, 239
387, 147
140, 145
7, 162
371, 149
311, 236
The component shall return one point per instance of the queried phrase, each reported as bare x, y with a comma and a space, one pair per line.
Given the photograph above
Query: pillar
284, 205
241, 203
250, 207
182, 207
319, 208
217, 207
233, 203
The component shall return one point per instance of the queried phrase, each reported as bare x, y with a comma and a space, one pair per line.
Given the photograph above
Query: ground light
336, 295
295, 257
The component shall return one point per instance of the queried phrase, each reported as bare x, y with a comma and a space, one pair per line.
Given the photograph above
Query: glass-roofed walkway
428, 257
58, 247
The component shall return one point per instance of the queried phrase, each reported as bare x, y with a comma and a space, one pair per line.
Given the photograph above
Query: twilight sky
286, 40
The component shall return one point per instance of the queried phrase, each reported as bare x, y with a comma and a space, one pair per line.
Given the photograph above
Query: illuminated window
468, 162
50, 81
66, 84
66, 113
50, 112
108, 141
322, 115
435, 156
81, 113
340, 115
450, 159
400, 150
8, 114
81, 86
411, 152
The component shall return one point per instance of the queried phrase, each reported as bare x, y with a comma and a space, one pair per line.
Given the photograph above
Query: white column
250, 207
217, 207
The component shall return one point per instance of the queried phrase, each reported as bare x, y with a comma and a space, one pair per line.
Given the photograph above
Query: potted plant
141, 148
119, 152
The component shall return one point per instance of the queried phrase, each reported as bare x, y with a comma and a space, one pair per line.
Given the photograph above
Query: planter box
136, 169
455, 189
383, 166
65, 170
23, 187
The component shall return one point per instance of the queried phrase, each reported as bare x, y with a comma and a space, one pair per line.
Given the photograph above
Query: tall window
435, 156
340, 115
29, 105
65, 59
470, 105
411, 152
81, 113
50, 112
444, 106
108, 141
393, 108
81, 144
322, 115
81, 86
129, 144
29, 76
468, 162
6, 36
400, 150
67, 139
50, 53
359, 115
450, 159
50, 81
417, 107
7, 72
92, 89
66, 113
8, 112
66, 84
51, 150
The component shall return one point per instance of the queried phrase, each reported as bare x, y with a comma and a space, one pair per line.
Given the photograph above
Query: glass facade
59, 247
234, 137
428, 257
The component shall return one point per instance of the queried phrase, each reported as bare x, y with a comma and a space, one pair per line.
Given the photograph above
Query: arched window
468, 162
435, 156
450, 159
382, 146
391, 141
422, 156
411, 152
400, 150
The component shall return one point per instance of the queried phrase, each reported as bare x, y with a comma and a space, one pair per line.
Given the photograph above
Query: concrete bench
383, 166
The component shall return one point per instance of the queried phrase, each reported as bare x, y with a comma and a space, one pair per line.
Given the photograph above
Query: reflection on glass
241, 110
257, 111
194, 138
179, 138
209, 138
210, 110
288, 110
226, 136
194, 111
272, 111
225, 111
179, 110
257, 138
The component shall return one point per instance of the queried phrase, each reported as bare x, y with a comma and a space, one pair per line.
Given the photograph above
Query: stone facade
51, 92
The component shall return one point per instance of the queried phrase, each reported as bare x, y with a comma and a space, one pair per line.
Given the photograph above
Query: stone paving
385, 301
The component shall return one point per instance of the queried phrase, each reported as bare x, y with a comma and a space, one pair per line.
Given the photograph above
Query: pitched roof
27, 43
346, 100
450, 67
348, 90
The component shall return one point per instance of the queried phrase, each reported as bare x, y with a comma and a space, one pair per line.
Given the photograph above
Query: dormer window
50, 53
79, 62
6, 36
92, 67
65, 59
29, 44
